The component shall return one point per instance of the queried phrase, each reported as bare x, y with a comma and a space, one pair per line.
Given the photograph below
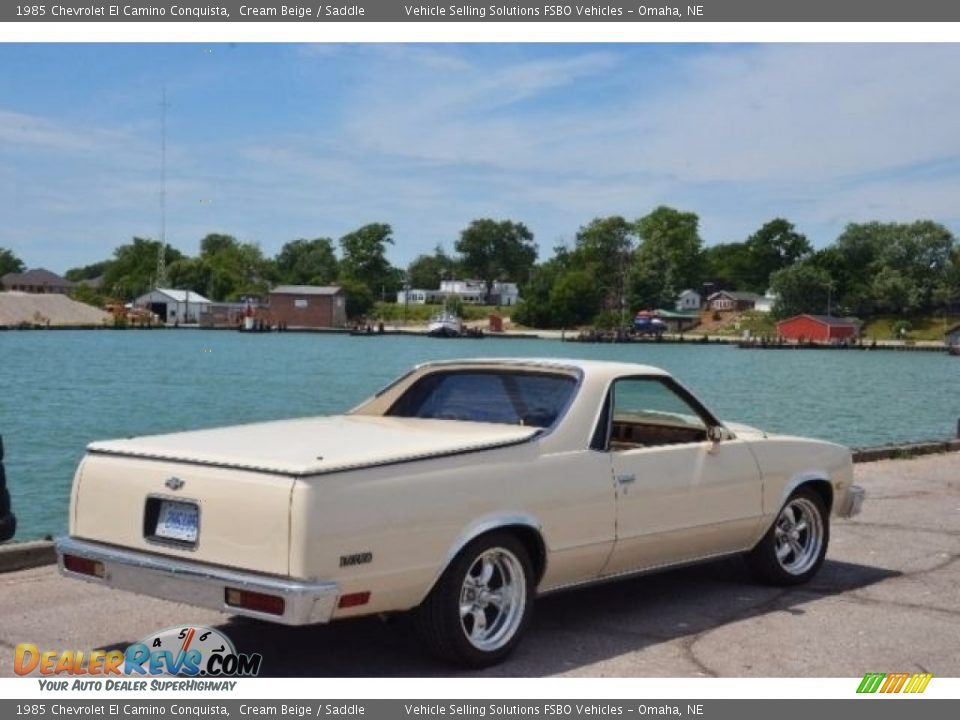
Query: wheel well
822, 488
533, 542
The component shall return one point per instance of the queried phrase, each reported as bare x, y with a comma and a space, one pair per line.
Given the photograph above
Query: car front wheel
793, 549
479, 608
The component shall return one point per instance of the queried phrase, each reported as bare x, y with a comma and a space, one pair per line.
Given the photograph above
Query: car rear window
511, 398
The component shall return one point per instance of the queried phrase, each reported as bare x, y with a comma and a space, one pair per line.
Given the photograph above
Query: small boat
445, 324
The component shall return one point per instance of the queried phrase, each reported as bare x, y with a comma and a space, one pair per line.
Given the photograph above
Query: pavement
886, 600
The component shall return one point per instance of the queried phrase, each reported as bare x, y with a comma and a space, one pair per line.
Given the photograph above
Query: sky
274, 142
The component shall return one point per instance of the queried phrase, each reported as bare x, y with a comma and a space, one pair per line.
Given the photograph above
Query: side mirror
716, 433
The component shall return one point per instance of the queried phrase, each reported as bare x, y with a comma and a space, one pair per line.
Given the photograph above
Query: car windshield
511, 398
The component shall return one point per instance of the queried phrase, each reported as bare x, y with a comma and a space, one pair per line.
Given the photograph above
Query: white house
470, 292
765, 304
474, 292
688, 300
418, 296
173, 306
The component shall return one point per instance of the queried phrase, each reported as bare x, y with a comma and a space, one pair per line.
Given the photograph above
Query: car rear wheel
480, 607
793, 549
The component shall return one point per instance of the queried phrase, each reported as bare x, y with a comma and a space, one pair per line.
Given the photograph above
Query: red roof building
818, 328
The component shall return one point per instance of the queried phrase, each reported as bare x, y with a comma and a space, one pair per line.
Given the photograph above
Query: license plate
178, 521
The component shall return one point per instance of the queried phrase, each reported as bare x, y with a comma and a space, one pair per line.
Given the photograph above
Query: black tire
448, 634
796, 567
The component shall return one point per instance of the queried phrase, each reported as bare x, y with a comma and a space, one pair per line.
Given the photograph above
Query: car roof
589, 368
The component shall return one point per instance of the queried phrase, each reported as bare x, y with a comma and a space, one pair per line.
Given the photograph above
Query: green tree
921, 252
727, 265
894, 292
87, 272
132, 271
669, 258
494, 250
426, 271
574, 298
605, 245
535, 308
189, 273
364, 259
801, 288
233, 268
949, 292
360, 300
88, 295
773, 247
307, 262
10, 263
890, 267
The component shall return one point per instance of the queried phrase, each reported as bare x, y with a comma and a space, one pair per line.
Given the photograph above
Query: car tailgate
242, 517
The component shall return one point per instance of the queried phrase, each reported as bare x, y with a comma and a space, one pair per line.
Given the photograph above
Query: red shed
819, 328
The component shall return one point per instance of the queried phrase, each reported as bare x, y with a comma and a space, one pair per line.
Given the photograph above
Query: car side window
649, 412
511, 398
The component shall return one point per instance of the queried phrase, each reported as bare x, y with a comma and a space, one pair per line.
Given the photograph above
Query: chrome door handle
626, 479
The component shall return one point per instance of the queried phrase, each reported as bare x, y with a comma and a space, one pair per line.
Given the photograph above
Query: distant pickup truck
458, 492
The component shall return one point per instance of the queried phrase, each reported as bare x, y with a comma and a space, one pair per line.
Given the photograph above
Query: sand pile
19, 307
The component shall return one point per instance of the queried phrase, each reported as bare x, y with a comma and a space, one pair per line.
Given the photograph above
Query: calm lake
60, 390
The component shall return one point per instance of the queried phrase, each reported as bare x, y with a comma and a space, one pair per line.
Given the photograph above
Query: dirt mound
17, 308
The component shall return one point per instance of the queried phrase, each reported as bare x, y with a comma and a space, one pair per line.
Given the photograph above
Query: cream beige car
460, 492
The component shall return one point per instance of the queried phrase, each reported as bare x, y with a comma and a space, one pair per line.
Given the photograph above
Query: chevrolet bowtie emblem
174, 483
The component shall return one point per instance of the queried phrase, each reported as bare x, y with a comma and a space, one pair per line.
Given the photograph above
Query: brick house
37, 280
308, 306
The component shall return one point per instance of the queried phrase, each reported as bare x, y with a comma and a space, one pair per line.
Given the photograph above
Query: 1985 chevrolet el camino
460, 491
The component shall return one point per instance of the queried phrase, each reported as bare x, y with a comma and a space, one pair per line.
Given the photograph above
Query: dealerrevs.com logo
894, 683
186, 651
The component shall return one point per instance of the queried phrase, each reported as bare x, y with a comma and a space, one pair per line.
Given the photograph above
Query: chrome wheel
798, 536
477, 611
493, 599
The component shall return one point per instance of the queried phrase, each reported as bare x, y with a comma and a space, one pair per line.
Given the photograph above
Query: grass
921, 327
758, 323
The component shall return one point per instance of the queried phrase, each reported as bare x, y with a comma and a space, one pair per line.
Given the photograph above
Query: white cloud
428, 137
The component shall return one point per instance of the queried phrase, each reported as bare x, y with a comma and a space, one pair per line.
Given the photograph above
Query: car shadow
568, 630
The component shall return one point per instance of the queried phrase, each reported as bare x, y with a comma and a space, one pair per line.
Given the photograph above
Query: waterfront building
308, 306
37, 281
470, 292
818, 328
173, 307
765, 304
688, 300
732, 300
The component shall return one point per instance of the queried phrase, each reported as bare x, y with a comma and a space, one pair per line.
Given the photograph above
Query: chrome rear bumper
198, 584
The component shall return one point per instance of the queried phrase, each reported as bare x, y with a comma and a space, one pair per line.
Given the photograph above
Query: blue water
60, 390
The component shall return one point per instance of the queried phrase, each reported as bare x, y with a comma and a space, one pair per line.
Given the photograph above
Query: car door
680, 496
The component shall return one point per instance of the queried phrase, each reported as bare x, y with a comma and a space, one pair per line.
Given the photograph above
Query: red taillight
83, 566
354, 599
261, 602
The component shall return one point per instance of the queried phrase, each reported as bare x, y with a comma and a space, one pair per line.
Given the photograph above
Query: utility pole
161, 273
